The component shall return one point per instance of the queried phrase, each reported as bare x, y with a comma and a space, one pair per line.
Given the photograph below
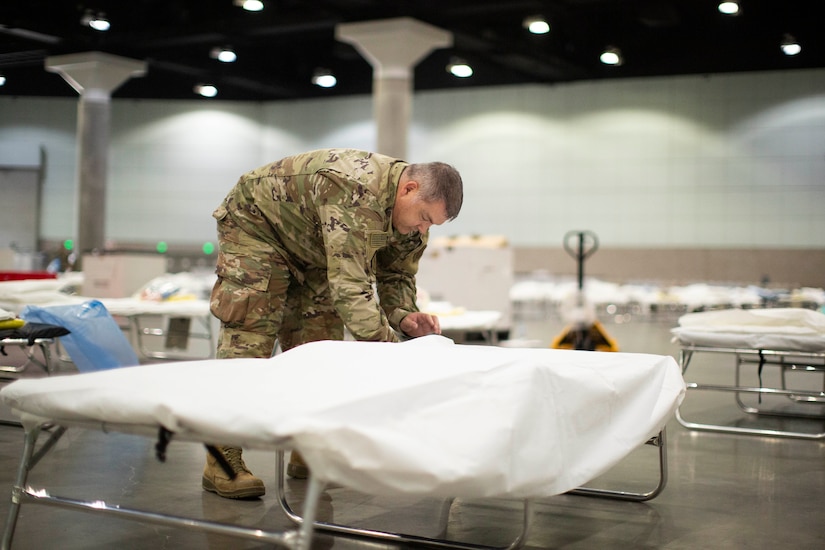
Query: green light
162, 247
68, 244
208, 248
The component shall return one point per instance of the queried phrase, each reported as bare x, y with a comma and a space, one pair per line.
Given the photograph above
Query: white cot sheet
452, 318
779, 329
15, 295
423, 417
130, 307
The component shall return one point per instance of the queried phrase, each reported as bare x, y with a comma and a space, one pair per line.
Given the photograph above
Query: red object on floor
23, 275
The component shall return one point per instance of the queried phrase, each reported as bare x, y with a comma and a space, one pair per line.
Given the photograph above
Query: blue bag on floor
95, 342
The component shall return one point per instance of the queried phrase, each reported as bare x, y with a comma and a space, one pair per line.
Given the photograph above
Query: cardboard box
473, 273
119, 275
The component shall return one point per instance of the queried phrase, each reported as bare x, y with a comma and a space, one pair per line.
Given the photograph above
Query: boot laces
234, 458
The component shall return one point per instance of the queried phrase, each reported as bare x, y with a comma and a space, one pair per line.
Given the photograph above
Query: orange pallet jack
583, 331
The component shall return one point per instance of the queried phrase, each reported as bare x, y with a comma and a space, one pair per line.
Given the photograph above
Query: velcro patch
377, 239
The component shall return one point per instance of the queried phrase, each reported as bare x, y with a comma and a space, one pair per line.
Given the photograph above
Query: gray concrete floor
724, 491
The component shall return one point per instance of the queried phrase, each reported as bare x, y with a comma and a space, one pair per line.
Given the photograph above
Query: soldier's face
413, 214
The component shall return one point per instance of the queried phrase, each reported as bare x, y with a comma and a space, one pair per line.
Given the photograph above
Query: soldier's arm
396, 267
350, 279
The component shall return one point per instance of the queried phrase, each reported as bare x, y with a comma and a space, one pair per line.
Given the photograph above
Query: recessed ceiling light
789, 45
206, 90
536, 24
460, 68
95, 20
611, 56
324, 78
224, 55
729, 8
250, 5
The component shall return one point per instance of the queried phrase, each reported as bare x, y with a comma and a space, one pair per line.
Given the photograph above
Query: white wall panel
661, 151
697, 161
171, 165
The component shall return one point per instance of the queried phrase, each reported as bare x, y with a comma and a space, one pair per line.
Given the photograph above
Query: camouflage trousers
260, 302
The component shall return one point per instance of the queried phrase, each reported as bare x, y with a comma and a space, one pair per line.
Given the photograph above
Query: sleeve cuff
396, 317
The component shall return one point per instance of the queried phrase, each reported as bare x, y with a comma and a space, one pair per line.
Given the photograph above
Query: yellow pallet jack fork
583, 335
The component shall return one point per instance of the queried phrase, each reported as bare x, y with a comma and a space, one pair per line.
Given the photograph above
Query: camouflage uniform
302, 242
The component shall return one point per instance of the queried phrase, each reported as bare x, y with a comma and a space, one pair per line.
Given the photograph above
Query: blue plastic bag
96, 342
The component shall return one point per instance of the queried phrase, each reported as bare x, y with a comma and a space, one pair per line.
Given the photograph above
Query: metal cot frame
659, 441
141, 329
43, 344
29, 349
786, 361
298, 539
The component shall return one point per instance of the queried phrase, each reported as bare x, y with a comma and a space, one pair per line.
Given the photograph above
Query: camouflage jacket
331, 209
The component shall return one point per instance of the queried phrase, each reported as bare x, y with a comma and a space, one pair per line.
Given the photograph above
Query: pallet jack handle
588, 244
580, 336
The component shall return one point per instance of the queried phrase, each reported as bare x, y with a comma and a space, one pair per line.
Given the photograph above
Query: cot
169, 321
424, 417
790, 339
29, 346
34, 338
30, 338
459, 322
148, 322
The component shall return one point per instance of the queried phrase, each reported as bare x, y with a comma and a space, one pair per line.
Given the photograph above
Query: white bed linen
423, 417
129, 307
779, 329
15, 295
460, 319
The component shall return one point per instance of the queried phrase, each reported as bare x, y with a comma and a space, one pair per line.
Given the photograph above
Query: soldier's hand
420, 324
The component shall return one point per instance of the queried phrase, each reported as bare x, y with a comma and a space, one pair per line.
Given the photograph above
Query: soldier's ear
410, 186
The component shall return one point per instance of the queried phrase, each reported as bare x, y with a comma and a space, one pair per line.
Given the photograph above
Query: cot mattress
15, 295
128, 307
422, 417
779, 329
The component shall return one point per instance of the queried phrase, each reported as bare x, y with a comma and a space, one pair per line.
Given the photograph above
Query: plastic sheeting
422, 417
95, 341
781, 329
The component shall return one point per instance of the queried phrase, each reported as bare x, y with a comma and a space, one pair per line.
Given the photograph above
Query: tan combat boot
297, 468
244, 484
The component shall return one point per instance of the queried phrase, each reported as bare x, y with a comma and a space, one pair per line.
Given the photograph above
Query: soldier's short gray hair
438, 181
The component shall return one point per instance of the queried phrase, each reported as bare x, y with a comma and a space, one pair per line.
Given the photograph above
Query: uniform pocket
229, 301
240, 295
220, 212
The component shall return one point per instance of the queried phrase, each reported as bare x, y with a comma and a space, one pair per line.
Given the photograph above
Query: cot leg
396, 538
659, 441
313, 496
20, 482
29, 350
684, 359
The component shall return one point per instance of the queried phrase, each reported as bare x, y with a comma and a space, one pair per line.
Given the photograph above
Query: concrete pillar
393, 47
94, 75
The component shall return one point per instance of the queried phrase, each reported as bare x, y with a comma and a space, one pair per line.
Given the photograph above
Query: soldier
304, 243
